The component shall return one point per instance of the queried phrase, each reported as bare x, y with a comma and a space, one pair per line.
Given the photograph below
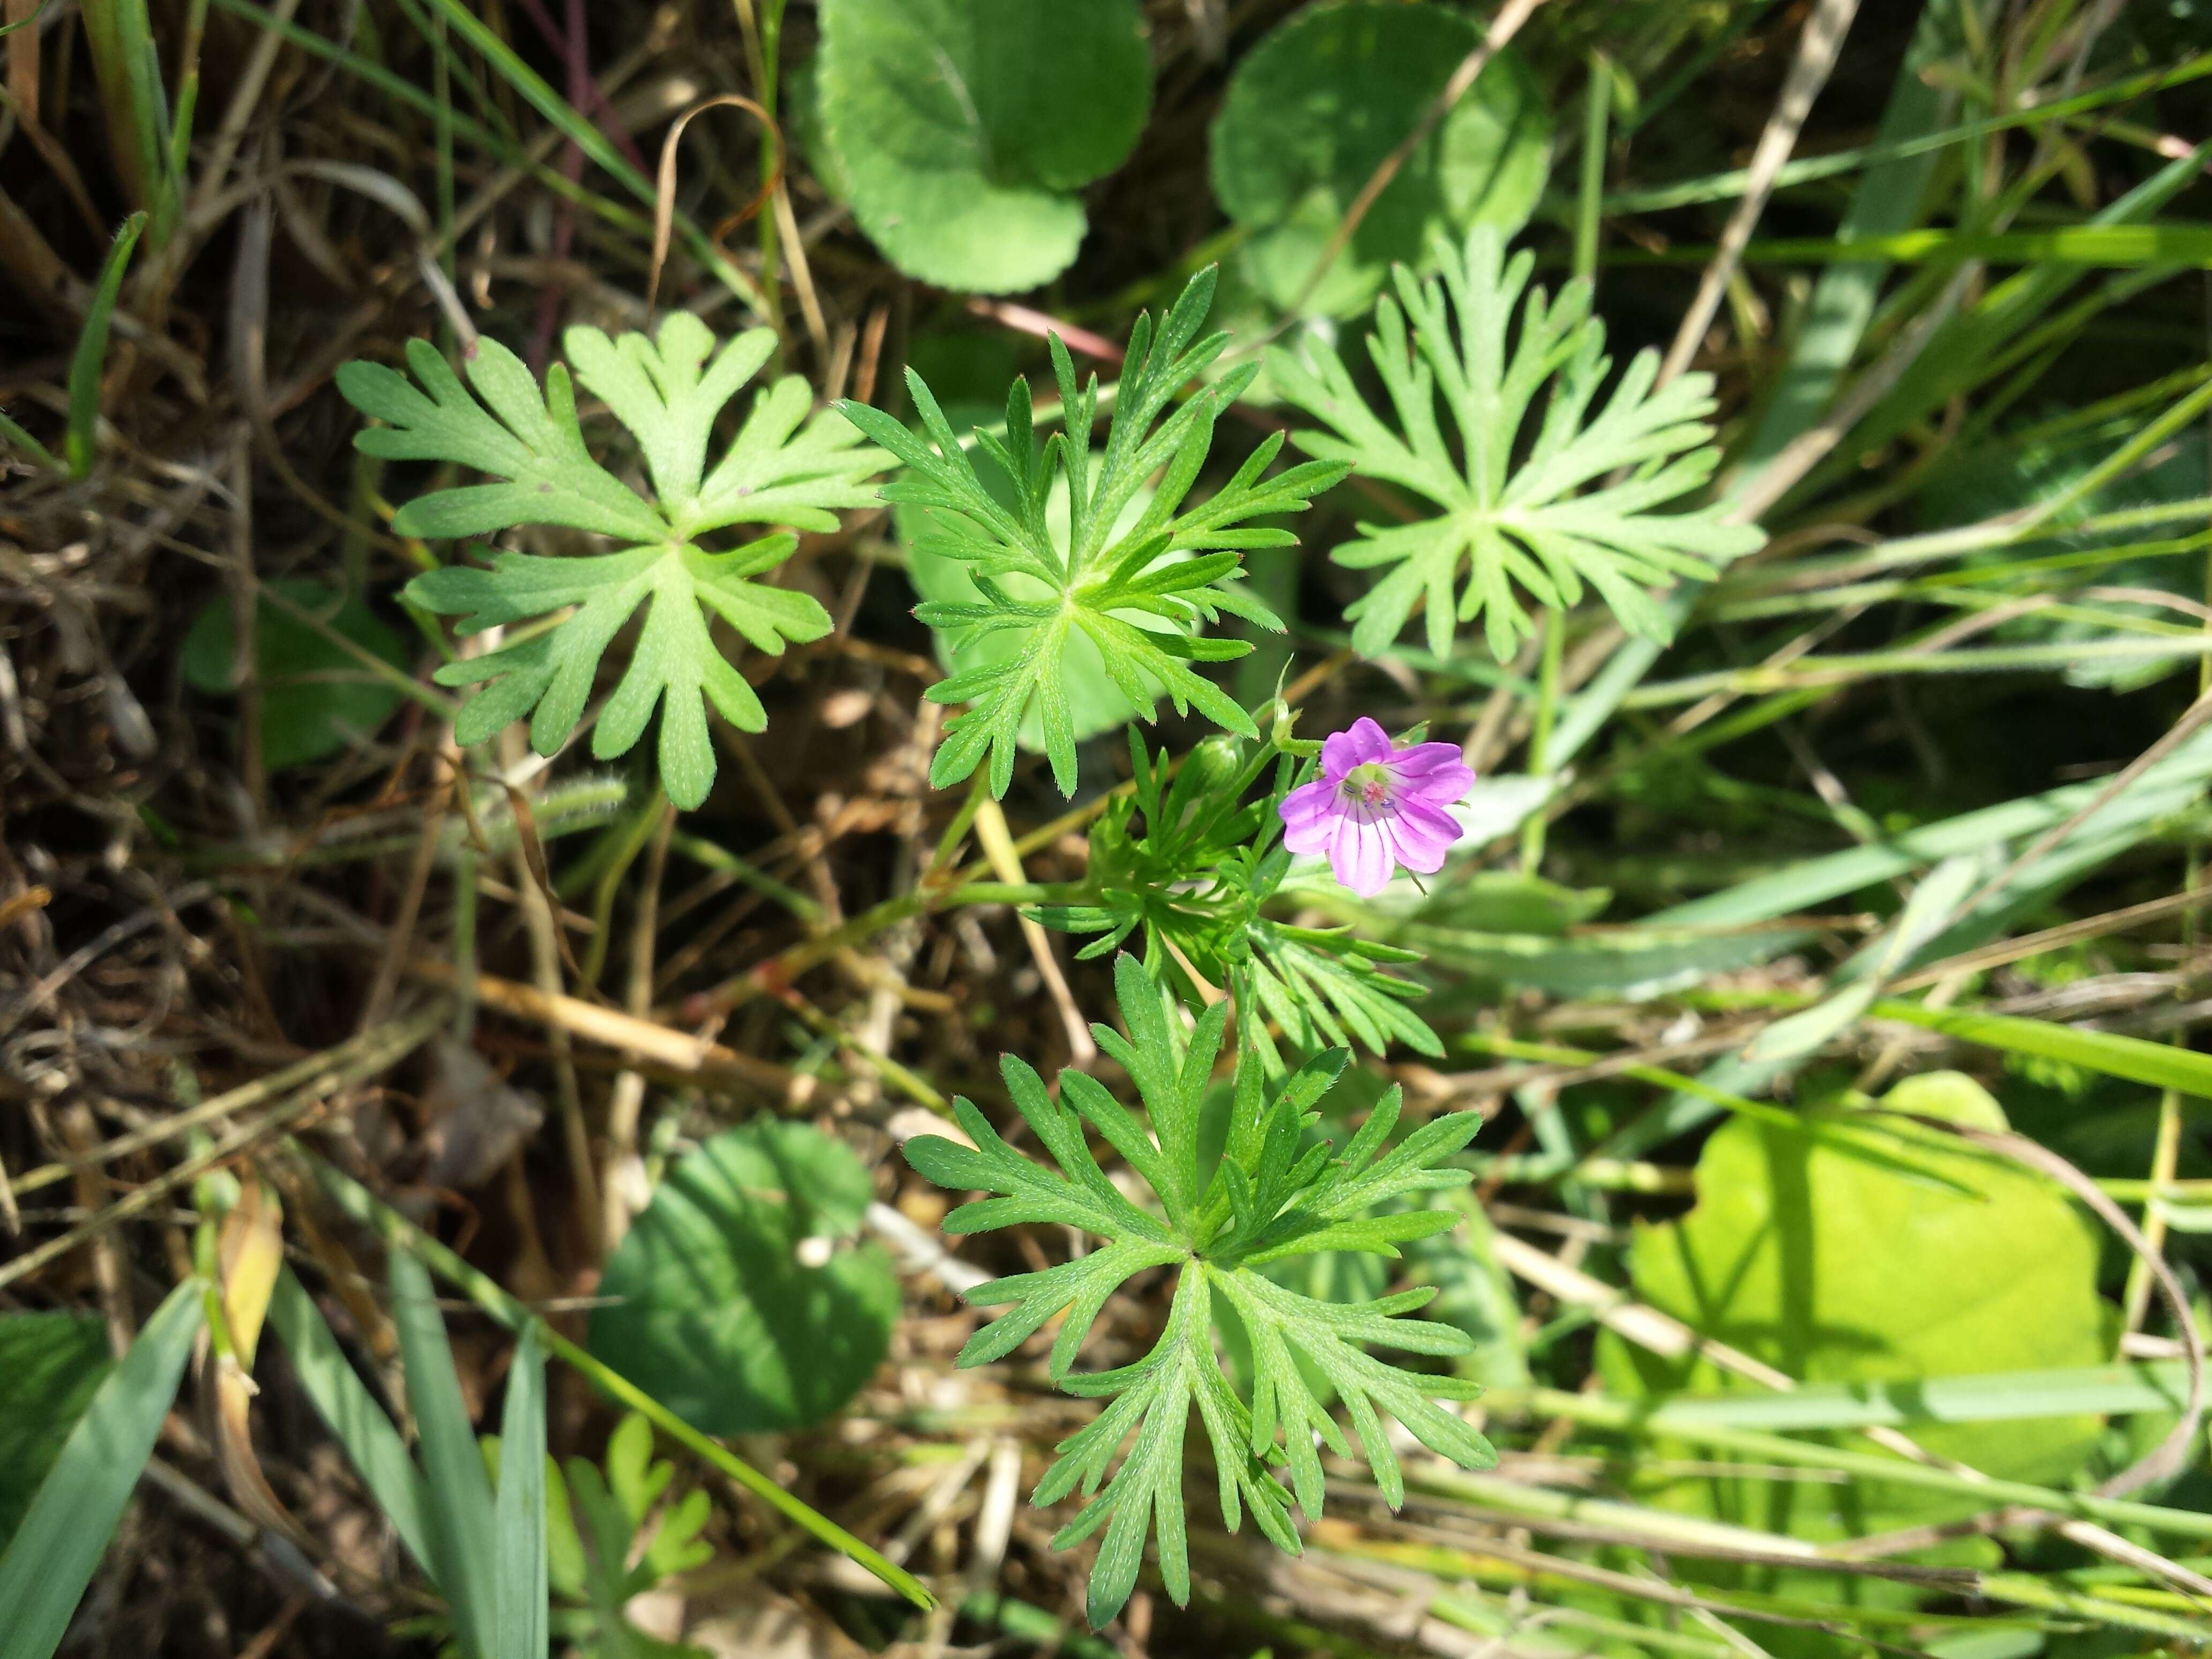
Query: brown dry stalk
394, 1042
645, 1039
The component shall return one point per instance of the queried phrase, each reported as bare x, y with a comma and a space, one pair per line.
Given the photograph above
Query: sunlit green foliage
1186, 867
1137, 592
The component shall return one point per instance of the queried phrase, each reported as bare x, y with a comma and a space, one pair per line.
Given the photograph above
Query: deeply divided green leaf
785, 465
1275, 1192
1135, 591
1549, 488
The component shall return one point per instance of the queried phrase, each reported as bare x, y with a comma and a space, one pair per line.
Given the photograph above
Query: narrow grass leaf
1995, 1397
586, 136
357, 1202
92, 350
2166, 787
371, 1442
27, 444
1630, 1417
57, 1549
522, 1605
2160, 1065
460, 1514
2118, 246
1936, 895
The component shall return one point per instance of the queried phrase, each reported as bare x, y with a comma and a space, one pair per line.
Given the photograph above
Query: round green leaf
1841, 1260
1314, 108
959, 128
802, 124
732, 1302
316, 697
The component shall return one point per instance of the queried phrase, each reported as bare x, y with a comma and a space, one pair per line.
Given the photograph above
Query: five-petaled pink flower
1375, 807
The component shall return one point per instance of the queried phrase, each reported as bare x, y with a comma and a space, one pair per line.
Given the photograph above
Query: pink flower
1375, 807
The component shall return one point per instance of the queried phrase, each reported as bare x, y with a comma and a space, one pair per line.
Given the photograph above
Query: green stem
365, 1207
630, 840
1597, 107
465, 945
1540, 739
764, 34
711, 855
1626, 1417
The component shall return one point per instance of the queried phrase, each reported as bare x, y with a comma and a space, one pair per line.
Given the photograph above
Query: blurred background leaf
737, 1299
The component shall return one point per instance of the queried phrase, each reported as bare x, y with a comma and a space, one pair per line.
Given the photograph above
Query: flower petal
1423, 834
1434, 766
1359, 742
1363, 855
1311, 814
1440, 788
1311, 801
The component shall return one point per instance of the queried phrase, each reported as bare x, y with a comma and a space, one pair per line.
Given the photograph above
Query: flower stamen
1368, 783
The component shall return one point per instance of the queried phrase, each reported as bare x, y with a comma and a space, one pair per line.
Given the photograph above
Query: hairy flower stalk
1376, 807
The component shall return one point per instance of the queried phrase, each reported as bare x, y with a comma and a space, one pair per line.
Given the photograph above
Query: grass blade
2100, 246
460, 1513
371, 1442
541, 96
2158, 1387
1631, 1417
92, 350
522, 1600
64, 1533
2166, 787
1888, 201
2160, 1065
12, 434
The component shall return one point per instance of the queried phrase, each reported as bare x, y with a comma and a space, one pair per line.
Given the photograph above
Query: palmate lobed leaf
1179, 568
1581, 506
1274, 1193
674, 664
786, 466
534, 444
